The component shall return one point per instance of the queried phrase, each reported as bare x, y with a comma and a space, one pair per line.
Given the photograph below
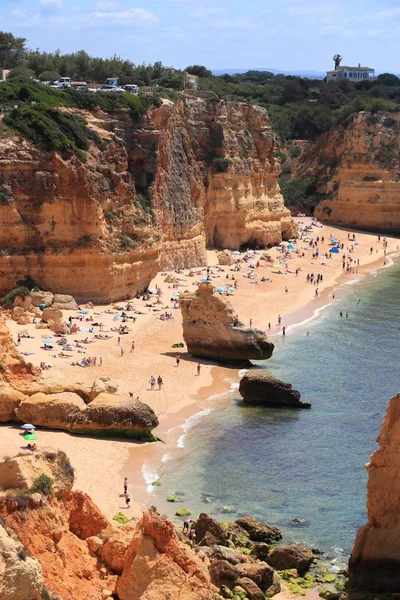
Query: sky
220, 34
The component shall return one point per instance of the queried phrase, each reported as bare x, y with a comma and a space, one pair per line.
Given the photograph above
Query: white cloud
50, 2
106, 5
18, 13
204, 12
311, 11
388, 13
131, 16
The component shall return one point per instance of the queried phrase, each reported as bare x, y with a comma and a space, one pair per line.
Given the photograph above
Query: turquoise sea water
278, 465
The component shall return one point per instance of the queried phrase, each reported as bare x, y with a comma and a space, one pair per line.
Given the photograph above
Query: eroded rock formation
262, 389
356, 168
212, 329
375, 560
184, 175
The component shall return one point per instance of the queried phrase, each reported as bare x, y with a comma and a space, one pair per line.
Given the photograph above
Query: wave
192, 421
150, 474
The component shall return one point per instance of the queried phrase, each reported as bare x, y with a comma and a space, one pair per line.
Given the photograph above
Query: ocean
283, 465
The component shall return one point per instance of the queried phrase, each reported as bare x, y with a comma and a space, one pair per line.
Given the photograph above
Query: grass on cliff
33, 111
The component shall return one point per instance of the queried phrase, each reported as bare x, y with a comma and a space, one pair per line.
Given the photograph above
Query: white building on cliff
353, 74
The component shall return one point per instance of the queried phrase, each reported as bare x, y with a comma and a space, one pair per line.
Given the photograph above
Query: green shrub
9, 298
183, 512
121, 518
43, 485
295, 152
29, 283
221, 165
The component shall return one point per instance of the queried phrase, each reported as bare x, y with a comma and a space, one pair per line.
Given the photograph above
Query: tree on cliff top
11, 50
337, 59
198, 70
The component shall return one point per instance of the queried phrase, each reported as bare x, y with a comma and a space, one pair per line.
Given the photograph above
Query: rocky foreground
55, 543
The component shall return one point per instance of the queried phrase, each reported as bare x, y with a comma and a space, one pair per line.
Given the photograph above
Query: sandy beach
101, 464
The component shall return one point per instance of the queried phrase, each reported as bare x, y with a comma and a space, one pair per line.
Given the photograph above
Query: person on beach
178, 359
279, 319
133, 346
286, 289
122, 351
198, 369
127, 500
269, 326
118, 341
316, 292
159, 382
192, 537
125, 485
283, 331
186, 525
152, 382
341, 313
347, 314
251, 323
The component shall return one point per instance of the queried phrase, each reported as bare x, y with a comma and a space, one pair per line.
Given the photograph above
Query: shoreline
224, 378
183, 392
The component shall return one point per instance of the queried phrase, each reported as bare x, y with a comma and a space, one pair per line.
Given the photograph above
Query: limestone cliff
356, 167
212, 329
375, 560
150, 196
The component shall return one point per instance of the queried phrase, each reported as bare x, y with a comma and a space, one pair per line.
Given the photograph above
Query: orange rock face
157, 565
152, 198
55, 535
375, 560
356, 166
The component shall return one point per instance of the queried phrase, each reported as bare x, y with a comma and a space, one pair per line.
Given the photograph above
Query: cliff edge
375, 560
150, 194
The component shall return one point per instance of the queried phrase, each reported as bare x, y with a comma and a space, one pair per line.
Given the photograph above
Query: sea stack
375, 561
212, 329
262, 389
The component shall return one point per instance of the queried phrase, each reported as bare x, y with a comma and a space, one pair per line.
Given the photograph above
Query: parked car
111, 88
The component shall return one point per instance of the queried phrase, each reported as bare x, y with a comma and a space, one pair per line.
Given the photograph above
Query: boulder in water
262, 389
292, 556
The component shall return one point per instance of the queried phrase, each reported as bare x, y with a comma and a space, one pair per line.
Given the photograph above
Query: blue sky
282, 34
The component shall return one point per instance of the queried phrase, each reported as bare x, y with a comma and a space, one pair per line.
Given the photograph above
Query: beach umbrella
30, 437
204, 280
83, 312
290, 246
28, 426
335, 249
277, 266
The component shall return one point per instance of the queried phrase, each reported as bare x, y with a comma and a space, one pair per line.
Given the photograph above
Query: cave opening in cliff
252, 245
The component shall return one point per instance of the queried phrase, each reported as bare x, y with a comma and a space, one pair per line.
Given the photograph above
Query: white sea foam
242, 372
192, 421
234, 387
166, 457
313, 316
150, 475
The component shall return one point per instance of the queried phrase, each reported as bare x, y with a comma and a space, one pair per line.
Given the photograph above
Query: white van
63, 82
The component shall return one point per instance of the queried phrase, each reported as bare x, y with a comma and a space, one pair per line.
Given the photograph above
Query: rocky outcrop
355, 168
262, 389
12, 365
186, 175
212, 329
22, 471
209, 531
107, 414
375, 559
157, 565
21, 576
54, 532
258, 532
10, 399
292, 556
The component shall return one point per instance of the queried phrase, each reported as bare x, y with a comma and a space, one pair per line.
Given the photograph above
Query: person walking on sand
178, 359
118, 341
152, 382
125, 485
279, 319
283, 331
316, 292
198, 369
160, 382
133, 346
127, 500
251, 322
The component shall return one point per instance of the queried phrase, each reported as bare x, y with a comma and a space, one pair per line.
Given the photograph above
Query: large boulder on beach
40, 297
258, 532
292, 556
64, 302
104, 384
10, 399
116, 414
52, 314
56, 411
24, 302
224, 573
212, 329
225, 258
260, 388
